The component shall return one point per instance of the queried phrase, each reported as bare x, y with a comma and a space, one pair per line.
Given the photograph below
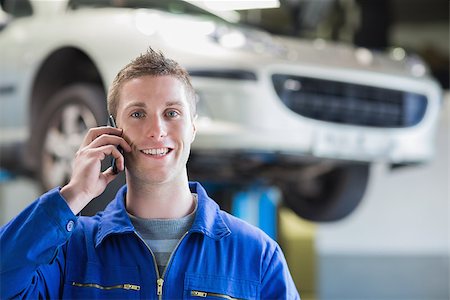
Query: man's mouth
157, 151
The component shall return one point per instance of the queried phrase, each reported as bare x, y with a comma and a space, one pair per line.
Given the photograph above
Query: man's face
155, 116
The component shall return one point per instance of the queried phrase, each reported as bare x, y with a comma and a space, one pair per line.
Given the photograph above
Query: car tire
61, 129
335, 194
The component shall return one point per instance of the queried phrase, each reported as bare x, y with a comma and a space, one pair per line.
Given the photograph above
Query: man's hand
88, 181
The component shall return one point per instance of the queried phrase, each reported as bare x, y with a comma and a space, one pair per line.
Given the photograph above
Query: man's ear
194, 128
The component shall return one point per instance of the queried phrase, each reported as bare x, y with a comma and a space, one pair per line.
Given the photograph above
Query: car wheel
62, 127
329, 196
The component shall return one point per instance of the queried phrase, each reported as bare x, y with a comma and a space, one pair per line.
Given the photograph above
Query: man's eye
172, 114
137, 115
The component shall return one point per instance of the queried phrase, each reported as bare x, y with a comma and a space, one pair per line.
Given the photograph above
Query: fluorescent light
238, 4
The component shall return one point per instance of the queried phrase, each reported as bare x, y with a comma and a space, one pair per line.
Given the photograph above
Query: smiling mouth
157, 151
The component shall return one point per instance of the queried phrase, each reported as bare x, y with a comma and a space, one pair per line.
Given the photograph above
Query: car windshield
172, 6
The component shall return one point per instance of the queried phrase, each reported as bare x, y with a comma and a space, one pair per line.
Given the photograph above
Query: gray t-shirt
163, 235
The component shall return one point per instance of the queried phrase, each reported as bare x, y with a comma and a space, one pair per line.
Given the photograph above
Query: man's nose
156, 128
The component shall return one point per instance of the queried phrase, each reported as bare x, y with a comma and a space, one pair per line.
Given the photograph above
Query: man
161, 237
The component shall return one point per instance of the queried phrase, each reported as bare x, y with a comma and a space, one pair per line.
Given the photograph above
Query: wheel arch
63, 67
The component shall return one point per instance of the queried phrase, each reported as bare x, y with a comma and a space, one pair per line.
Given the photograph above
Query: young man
161, 237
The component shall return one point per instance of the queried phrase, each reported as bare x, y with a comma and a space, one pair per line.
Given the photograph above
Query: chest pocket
95, 281
201, 286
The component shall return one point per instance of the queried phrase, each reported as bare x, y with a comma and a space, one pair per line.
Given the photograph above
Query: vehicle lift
256, 203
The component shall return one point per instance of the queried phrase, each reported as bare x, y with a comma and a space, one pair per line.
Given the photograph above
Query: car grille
348, 103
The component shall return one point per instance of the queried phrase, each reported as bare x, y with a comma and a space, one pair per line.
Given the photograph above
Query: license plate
350, 145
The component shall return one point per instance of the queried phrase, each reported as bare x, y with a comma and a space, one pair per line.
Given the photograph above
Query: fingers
106, 139
87, 178
109, 150
96, 132
101, 136
109, 175
119, 160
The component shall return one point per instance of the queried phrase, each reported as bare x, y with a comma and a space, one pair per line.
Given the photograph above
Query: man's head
151, 63
153, 102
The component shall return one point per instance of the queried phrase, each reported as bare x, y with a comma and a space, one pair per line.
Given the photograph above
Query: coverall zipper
160, 280
125, 286
206, 294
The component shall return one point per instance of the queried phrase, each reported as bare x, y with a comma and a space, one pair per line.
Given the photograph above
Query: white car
307, 116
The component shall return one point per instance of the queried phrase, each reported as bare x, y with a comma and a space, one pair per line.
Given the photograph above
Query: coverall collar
208, 221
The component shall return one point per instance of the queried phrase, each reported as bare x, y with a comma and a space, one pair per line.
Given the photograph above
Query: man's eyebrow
135, 104
143, 104
175, 103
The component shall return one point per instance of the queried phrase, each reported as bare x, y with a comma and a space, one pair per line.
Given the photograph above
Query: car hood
324, 53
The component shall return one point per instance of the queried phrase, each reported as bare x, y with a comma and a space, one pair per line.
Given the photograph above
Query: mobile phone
112, 123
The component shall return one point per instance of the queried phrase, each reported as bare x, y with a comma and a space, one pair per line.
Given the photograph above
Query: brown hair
152, 63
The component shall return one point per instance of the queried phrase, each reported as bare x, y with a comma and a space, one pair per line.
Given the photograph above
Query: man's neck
169, 200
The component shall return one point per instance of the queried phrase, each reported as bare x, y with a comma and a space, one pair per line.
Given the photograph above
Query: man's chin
153, 177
